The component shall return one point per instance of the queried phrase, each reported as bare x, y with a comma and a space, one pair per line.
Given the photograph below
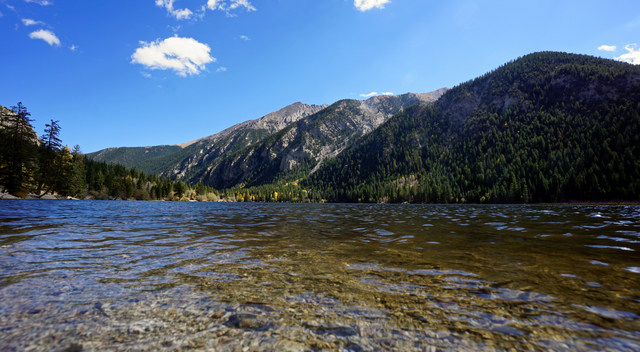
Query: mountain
201, 153
301, 147
177, 161
547, 127
133, 157
285, 143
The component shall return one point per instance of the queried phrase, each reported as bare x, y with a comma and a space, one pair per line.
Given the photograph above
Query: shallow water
106, 275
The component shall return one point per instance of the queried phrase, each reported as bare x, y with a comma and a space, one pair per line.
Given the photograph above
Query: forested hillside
133, 156
33, 166
547, 127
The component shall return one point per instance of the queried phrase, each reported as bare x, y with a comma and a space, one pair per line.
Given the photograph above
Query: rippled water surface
106, 275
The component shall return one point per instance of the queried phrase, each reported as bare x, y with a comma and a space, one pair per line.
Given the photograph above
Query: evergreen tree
77, 180
20, 150
48, 154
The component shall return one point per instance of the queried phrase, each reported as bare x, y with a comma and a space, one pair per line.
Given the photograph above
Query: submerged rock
247, 322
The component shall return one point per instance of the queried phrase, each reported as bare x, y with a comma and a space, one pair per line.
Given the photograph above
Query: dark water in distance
107, 275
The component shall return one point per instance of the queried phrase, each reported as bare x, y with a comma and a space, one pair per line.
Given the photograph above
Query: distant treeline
43, 165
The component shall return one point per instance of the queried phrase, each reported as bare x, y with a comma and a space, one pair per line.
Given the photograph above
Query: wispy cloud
373, 94
365, 5
40, 2
229, 5
47, 36
632, 56
186, 56
30, 22
73, 47
609, 48
244, 37
633, 23
241, 3
214, 4
221, 69
180, 14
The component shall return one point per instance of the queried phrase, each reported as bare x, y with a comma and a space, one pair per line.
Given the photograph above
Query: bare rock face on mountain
294, 139
269, 123
8, 119
180, 161
4, 111
205, 151
300, 148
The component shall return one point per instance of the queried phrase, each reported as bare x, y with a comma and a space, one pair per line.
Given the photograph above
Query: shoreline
31, 196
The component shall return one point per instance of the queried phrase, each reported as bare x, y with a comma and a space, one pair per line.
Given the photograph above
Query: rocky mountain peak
270, 122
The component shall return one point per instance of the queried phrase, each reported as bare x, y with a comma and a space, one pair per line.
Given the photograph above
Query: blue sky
149, 72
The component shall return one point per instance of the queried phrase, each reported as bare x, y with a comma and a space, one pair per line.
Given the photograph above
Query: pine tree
19, 153
48, 175
77, 182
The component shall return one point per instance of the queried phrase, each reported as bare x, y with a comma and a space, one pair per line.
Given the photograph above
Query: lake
107, 275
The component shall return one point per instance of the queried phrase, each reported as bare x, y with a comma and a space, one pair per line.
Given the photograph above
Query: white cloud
213, 4
373, 94
180, 14
221, 69
226, 6
30, 22
73, 47
229, 5
45, 35
365, 5
607, 48
40, 2
241, 3
186, 56
244, 37
633, 55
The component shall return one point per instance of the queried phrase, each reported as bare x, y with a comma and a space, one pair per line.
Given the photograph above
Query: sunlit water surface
106, 275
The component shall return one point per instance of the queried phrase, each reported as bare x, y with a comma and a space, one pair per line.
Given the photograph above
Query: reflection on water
100, 275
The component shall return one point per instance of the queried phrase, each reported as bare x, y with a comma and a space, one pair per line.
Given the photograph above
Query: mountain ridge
155, 159
308, 142
185, 161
